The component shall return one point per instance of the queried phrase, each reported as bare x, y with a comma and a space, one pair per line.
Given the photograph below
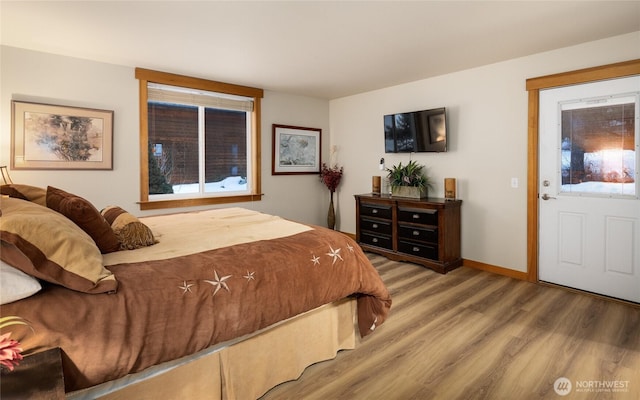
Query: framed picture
47, 136
296, 150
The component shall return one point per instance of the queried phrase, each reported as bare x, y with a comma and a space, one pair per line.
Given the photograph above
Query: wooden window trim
145, 76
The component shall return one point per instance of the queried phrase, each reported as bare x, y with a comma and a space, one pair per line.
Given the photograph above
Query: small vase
331, 217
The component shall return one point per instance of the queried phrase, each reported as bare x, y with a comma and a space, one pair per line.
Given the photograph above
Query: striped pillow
131, 233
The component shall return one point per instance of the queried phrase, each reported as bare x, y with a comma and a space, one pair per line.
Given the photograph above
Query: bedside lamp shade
5, 179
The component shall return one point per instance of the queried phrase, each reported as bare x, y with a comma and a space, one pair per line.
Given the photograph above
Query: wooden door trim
534, 85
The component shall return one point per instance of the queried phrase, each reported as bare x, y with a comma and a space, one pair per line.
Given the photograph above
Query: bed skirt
247, 368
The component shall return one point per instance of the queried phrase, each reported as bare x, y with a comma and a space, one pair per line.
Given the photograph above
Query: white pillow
15, 284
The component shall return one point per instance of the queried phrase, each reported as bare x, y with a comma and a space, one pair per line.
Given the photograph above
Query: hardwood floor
475, 335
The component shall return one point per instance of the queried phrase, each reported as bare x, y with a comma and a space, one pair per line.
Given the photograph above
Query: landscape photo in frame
47, 136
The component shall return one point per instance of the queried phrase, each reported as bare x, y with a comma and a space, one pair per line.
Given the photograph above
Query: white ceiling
313, 48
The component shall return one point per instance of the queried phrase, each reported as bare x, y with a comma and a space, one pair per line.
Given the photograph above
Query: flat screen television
416, 132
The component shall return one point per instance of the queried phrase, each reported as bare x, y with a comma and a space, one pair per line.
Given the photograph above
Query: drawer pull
416, 216
374, 211
374, 240
416, 233
374, 226
415, 249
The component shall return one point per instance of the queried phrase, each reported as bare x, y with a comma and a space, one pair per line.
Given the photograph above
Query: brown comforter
166, 309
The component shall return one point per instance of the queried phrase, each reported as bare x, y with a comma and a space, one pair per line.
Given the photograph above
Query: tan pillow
46, 245
25, 192
132, 233
85, 215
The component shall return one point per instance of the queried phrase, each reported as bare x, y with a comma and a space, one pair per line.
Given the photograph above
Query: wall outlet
514, 183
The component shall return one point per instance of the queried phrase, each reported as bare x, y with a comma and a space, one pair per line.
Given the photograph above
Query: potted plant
408, 180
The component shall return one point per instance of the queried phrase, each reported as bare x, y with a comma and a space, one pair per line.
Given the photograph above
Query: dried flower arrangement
331, 176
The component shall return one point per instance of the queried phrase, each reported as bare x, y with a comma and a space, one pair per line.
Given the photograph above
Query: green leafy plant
411, 174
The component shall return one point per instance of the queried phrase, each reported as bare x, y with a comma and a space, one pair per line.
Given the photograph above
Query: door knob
547, 197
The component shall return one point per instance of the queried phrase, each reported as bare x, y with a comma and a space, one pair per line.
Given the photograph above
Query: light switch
514, 183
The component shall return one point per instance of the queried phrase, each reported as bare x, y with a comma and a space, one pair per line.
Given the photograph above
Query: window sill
202, 201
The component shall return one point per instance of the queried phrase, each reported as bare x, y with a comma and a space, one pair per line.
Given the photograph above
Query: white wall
45, 78
298, 197
488, 138
487, 111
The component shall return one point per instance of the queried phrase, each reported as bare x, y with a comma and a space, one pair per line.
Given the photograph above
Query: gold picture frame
47, 136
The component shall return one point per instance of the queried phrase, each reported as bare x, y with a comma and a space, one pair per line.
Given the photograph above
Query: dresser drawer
375, 210
424, 216
421, 231
376, 240
420, 250
375, 225
422, 234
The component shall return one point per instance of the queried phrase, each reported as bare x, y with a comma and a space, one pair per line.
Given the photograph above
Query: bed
222, 303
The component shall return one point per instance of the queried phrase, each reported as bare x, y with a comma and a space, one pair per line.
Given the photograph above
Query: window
598, 145
199, 141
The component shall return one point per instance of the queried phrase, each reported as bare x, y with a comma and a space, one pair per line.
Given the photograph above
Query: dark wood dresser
421, 231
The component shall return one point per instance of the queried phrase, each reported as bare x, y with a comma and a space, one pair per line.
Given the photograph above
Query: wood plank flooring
471, 334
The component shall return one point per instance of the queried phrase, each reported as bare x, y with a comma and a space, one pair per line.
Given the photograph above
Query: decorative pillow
132, 233
85, 215
46, 245
16, 284
25, 192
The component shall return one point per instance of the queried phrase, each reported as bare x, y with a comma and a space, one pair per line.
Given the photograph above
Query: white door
589, 204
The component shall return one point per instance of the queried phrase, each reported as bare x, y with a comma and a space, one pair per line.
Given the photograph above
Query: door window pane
598, 149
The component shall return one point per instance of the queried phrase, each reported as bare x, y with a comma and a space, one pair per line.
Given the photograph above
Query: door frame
534, 85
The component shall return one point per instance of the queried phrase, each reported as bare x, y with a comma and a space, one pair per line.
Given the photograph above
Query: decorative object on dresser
450, 188
376, 183
408, 180
421, 231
